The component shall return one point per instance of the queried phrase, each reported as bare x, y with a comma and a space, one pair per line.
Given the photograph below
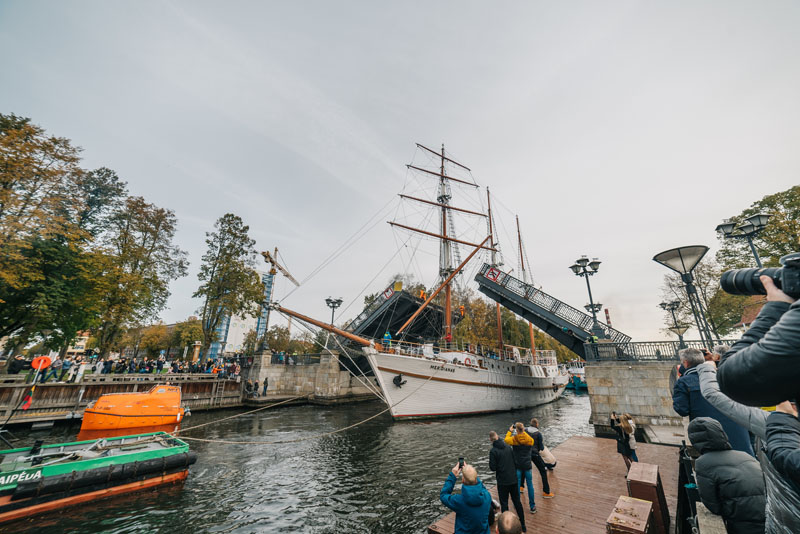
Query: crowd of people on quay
73, 368
741, 402
512, 459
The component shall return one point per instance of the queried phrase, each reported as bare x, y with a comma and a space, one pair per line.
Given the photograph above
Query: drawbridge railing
643, 350
353, 325
542, 304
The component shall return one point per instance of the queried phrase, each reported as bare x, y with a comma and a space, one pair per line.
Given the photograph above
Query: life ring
467, 361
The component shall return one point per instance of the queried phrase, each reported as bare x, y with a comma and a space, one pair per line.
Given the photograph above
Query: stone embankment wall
642, 389
324, 382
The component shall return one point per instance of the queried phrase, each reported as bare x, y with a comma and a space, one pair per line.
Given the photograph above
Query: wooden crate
630, 516
644, 482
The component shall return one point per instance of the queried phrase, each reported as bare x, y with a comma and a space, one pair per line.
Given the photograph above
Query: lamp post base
598, 331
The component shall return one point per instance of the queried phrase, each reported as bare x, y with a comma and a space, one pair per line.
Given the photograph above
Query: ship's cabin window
161, 390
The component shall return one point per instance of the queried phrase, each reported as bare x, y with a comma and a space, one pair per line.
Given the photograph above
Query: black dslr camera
746, 282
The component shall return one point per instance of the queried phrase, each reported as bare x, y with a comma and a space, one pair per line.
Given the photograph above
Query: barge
44, 478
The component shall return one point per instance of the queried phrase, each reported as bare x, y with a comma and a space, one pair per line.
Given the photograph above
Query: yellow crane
269, 283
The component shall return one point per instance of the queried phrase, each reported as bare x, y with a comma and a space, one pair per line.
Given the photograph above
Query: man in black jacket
501, 461
538, 447
730, 482
17, 364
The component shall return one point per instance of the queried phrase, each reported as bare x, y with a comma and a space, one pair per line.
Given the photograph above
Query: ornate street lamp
676, 329
683, 260
332, 304
579, 268
751, 227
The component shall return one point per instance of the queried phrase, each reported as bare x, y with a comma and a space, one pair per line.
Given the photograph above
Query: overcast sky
614, 129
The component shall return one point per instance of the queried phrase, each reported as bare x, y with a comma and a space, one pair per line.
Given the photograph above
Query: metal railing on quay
642, 350
295, 359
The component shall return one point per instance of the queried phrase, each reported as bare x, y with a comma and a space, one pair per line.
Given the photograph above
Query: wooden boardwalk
588, 480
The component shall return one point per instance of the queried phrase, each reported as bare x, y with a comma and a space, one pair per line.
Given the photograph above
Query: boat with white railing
423, 376
577, 375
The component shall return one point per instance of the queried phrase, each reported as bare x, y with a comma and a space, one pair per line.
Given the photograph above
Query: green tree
39, 176
250, 342
186, 333
155, 338
51, 211
278, 338
140, 262
779, 237
131, 338
230, 285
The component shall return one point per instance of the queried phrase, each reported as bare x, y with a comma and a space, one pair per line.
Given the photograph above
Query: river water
380, 477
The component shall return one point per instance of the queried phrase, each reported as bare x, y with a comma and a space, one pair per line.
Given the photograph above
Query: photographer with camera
472, 505
762, 369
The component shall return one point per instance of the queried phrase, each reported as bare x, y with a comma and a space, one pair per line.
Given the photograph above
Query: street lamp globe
575, 268
747, 228
726, 227
682, 259
582, 261
759, 220
594, 265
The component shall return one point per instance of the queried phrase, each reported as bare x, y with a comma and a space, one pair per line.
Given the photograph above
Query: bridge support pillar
642, 389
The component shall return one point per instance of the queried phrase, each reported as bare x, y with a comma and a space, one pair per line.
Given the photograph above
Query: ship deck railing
433, 352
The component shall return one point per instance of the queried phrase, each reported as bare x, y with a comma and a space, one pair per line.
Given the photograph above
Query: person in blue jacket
687, 399
472, 505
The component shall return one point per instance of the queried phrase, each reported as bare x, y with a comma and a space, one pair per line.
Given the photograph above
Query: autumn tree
250, 342
779, 237
278, 338
230, 285
186, 333
51, 212
155, 338
140, 263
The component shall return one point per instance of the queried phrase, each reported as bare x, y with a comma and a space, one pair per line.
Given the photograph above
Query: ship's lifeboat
115, 411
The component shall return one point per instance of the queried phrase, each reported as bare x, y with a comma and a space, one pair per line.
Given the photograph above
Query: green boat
42, 478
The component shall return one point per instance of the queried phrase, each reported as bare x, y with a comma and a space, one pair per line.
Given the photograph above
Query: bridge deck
588, 480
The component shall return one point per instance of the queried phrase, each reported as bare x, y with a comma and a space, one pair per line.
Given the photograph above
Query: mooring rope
298, 440
240, 414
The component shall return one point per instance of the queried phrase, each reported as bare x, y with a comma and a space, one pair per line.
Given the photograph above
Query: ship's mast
494, 263
445, 259
525, 279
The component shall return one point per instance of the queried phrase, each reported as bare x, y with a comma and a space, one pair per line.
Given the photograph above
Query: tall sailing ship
424, 373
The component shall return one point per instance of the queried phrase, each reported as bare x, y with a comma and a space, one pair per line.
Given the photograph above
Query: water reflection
378, 477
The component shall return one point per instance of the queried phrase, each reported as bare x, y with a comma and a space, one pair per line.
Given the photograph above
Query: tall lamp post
332, 304
579, 268
683, 260
677, 329
752, 226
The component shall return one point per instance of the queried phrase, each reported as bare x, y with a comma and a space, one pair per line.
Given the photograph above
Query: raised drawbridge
569, 326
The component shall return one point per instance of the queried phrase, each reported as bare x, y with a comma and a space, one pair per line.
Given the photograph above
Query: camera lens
746, 281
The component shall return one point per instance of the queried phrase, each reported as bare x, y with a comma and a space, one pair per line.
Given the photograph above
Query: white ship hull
432, 387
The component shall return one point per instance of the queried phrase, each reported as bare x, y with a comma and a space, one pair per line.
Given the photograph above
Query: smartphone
461, 463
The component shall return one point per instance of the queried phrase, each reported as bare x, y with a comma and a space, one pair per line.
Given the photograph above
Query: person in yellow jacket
521, 444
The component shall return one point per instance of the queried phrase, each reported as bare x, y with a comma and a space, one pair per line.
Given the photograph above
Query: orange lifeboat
117, 411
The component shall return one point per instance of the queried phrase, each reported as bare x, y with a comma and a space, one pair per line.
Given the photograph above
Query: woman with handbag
624, 433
